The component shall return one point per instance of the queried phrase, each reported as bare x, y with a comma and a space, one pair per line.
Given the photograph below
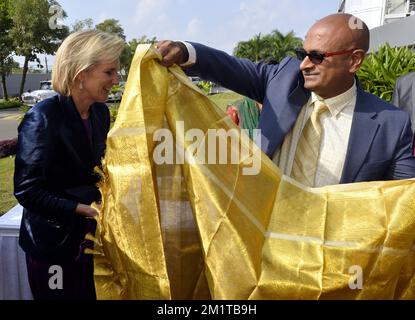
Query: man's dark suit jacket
54, 171
380, 138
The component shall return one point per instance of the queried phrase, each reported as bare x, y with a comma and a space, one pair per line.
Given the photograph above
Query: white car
195, 80
45, 91
215, 89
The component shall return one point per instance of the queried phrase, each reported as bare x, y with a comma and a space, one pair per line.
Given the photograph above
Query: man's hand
86, 211
172, 53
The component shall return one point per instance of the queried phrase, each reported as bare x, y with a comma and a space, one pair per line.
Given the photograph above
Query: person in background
60, 142
404, 97
245, 114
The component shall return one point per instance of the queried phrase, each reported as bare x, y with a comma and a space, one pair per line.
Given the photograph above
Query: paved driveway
9, 120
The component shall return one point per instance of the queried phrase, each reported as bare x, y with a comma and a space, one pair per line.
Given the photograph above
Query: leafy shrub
115, 89
380, 70
24, 109
8, 147
12, 103
274, 46
205, 86
113, 108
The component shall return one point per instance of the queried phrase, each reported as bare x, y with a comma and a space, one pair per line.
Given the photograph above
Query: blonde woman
60, 141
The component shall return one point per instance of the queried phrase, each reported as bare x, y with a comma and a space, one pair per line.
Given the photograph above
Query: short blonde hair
80, 51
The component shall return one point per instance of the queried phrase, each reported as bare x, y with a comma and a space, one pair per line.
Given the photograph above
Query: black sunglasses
317, 57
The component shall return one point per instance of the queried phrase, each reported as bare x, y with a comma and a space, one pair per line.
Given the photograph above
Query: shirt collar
337, 103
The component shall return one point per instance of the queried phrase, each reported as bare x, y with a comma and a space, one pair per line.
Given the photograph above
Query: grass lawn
223, 99
7, 200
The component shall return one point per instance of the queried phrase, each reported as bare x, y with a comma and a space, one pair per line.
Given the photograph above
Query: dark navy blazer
380, 138
54, 171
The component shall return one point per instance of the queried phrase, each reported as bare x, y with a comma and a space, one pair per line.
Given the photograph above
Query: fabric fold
197, 228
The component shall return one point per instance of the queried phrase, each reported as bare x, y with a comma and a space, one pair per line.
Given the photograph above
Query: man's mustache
310, 73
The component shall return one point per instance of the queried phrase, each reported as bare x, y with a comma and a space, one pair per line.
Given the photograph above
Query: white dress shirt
336, 124
192, 54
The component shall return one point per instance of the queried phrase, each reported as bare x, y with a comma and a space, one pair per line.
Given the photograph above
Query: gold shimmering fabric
199, 231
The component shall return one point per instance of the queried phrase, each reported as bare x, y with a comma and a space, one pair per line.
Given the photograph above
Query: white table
14, 284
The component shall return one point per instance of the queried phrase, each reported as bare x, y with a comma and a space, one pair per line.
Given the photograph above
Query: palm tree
252, 49
273, 46
284, 45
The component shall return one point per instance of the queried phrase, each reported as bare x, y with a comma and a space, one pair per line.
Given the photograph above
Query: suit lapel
279, 117
363, 131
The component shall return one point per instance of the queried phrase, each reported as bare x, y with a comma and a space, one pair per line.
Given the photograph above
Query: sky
217, 23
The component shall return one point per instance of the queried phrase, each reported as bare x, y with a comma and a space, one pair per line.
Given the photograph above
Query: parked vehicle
45, 91
208, 86
215, 89
195, 80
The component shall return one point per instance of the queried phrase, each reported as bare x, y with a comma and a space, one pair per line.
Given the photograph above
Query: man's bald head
345, 30
342, 40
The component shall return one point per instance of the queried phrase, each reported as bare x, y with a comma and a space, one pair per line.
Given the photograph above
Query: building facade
390, 21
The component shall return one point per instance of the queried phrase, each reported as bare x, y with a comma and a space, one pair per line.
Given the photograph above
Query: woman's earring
81, 85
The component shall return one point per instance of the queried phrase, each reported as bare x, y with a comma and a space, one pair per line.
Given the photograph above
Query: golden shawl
199, 231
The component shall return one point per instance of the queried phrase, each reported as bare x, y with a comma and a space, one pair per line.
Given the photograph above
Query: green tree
129, 51
254, 49
6, 45
111, 26
283, 45
85, 24
6, 67
273, 46
31, 31
17, 69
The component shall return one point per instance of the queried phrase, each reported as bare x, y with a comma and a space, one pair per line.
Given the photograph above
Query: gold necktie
308, 148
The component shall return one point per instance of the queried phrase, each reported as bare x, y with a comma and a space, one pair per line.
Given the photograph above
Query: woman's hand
86, 211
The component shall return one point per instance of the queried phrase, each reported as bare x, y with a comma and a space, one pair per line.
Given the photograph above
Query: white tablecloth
14, 284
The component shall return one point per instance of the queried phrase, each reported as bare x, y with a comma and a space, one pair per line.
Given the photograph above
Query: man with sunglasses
317, 123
